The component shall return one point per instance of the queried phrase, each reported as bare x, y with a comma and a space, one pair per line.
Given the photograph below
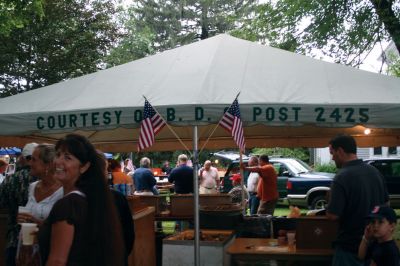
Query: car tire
318, 202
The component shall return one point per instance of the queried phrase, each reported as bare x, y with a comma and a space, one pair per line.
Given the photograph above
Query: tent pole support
196, 199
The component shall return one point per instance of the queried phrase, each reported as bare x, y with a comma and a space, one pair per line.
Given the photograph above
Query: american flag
232, 122
152, 123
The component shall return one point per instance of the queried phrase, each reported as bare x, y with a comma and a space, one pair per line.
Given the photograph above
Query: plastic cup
291, 237
23, 209
27, 229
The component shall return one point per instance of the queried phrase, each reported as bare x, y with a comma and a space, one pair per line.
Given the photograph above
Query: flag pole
242, 181
242, 173
196, 199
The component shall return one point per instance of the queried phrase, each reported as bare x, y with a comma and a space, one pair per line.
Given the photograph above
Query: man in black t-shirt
182, 176
355, 190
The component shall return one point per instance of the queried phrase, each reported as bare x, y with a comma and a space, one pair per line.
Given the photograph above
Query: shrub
328, 167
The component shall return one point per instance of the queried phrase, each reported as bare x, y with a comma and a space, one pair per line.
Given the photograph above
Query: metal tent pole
196, 199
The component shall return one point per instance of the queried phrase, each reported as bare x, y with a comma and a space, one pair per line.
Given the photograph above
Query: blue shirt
144, 179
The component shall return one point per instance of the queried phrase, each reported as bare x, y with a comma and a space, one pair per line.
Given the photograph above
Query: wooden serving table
248, 251
143, 252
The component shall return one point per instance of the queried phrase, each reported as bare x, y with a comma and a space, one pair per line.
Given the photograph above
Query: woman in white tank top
45, 192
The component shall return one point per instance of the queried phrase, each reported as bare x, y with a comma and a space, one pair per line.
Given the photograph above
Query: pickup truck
311, 189
285, 167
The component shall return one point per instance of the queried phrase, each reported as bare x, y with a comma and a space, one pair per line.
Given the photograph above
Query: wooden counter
247, 251
144, 249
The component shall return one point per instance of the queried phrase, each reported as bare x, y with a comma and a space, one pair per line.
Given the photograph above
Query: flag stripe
151, 124
232, 122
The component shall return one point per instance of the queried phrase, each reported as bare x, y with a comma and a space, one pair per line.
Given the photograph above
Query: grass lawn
283, 210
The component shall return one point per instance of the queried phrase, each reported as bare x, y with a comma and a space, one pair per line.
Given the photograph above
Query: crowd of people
66, 189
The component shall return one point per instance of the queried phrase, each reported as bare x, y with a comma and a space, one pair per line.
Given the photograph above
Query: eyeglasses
28, 158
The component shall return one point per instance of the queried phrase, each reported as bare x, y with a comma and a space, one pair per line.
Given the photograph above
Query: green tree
132, 43
394, 65
173, 23
345, 30
299, 153
131, 47
329, 168
16, 14
68, 41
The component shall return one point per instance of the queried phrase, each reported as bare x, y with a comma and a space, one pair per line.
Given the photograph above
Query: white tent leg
196, 199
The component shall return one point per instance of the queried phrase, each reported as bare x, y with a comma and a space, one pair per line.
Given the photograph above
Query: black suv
390, 169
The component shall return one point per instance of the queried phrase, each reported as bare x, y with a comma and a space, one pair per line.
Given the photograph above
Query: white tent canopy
286, 100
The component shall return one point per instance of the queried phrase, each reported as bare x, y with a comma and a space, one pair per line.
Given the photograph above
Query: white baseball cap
28, 149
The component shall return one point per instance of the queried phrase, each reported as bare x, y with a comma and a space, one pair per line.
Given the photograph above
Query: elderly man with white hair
144, 179
209, 179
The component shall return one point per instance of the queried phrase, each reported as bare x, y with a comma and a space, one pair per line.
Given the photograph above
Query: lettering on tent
79, 120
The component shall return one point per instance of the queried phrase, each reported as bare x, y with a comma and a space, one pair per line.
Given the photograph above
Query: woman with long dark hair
83, 227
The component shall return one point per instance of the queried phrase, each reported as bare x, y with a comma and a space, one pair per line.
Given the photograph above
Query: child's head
382, 220
236, 179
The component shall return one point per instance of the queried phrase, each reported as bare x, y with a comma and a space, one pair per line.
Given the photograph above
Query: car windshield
299, 167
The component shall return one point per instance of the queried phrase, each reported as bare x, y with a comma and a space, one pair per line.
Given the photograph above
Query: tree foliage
68, 41
328, 168
43, 42
345, 30
299, 153
394, 65
168, 24
16, 14
158, 158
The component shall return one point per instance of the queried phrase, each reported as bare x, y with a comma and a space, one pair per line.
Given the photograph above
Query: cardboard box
315, 232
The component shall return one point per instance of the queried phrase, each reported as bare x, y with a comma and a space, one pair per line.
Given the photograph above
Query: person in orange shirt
118, 176
267, 189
